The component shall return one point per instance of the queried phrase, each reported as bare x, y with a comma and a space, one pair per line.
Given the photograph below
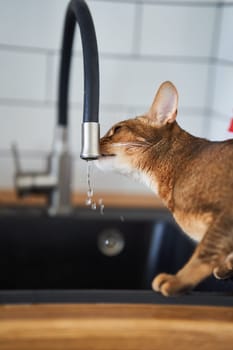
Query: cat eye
117, 128
114, 130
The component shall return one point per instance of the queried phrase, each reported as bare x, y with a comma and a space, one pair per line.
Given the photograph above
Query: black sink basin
88, 251
120, 250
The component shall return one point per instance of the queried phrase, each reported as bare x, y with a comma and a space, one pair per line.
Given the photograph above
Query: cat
193, 177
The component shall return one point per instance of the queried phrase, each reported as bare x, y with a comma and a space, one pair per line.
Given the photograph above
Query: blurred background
141, 43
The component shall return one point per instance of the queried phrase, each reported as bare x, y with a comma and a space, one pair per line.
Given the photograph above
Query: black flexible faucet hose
77, 11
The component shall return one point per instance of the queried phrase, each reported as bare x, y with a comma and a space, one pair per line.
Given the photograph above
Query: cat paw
225, 270
169, 285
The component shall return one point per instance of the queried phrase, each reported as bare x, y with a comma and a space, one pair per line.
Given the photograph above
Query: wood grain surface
9, 197
112, 326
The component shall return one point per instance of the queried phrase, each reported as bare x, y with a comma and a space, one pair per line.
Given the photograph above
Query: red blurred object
231, 126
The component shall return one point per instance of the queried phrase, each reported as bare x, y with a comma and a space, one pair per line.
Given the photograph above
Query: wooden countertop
112, 326
8, 197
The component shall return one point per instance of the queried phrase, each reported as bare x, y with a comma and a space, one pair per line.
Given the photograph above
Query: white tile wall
191, 2
76, 80
45, 20
134, 82
192, 122
223, 96
30, 127
114, 25
226, 43
6, 172
177, 30
219, 129
32, 23
22, 75
141, 44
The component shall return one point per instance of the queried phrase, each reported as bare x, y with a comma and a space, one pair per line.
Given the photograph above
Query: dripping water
90, 192
101, 204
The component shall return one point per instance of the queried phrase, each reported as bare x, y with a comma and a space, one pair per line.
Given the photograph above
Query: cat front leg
186, 279
212, 254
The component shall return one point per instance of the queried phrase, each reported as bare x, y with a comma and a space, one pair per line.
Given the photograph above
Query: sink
86, 251
46, 258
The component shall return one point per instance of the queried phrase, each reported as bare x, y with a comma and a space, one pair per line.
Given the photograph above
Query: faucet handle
28, 182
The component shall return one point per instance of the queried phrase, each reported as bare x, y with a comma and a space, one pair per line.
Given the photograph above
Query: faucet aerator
90, 141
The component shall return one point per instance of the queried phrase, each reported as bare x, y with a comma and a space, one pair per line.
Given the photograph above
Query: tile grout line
112, 55
76, 106
48, 77
211, 75
132, 56
168, 3
137, 31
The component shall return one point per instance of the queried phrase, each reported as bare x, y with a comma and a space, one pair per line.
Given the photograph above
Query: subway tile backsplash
32, 23
225, 50
141, 43
30, 127
180, 30
23, 76
223, 94
144, 77
115, 25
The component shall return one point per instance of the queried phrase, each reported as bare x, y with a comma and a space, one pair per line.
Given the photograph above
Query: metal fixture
55, 181
111, 242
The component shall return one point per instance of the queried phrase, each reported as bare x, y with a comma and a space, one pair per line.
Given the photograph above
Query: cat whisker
131, 144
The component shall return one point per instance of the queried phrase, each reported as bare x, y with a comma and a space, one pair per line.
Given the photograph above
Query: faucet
55, 182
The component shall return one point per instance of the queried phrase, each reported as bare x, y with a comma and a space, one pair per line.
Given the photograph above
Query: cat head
125, 147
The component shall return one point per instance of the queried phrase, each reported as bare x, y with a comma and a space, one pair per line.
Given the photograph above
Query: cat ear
164, 106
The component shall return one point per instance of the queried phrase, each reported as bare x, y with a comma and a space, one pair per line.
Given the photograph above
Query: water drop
90, 193
101, 204
89, 185
93, 206
102, 209
90, 190
88, 201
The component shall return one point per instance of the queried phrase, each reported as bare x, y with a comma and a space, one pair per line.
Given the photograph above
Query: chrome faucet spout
90, 141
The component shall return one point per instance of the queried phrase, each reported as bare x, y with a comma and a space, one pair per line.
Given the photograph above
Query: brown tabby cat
193, 177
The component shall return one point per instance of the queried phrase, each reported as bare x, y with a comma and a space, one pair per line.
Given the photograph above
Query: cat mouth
104, 155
